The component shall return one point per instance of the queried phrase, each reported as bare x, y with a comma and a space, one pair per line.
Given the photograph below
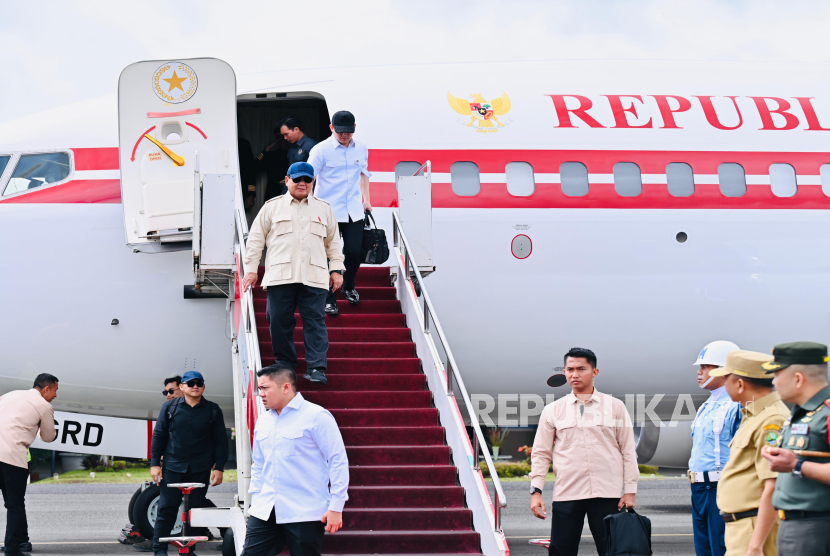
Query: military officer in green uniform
802, 492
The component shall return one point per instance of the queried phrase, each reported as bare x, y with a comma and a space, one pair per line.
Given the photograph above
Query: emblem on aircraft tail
483, 114
175, 82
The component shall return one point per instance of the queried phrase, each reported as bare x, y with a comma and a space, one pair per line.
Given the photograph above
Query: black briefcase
627, 533
375, 250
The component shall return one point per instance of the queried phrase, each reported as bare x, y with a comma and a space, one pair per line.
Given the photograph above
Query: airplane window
627, 179
782, 180
825, 179
466, 181
680, 179
35, 170
732, 179
520, 180
4, 160
405, 169
574, 178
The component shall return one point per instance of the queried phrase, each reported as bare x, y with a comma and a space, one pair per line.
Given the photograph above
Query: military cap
797, 353
745, 363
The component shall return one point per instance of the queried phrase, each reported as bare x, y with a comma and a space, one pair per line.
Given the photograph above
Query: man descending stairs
404, 496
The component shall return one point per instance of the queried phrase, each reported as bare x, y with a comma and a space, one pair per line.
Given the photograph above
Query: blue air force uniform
714, 426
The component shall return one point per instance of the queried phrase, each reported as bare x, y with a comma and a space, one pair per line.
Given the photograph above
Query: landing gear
145, 511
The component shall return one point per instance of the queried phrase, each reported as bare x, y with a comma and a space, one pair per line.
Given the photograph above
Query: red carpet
404, 496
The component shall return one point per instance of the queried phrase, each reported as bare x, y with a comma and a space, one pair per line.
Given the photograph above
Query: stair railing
409, 274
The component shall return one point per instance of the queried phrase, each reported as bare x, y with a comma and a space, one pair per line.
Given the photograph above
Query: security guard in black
193, 441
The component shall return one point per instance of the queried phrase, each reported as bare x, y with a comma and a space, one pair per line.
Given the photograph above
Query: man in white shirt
298, 452
341, 166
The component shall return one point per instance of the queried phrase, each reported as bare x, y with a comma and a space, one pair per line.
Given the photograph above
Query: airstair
415, 483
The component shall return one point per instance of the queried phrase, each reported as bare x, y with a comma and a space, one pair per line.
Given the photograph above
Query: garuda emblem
482, 113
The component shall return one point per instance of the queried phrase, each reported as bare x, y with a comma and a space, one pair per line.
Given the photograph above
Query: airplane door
176, 122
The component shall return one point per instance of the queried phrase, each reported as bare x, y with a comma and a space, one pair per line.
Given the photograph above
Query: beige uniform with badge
744, 477
300, 236
742, 480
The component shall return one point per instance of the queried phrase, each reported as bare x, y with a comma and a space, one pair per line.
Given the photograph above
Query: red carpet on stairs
404, 496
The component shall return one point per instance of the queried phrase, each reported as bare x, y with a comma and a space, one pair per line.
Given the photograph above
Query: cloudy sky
55, 53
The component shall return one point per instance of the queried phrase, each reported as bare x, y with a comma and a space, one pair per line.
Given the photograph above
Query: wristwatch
340, 272
534, 490
796, 472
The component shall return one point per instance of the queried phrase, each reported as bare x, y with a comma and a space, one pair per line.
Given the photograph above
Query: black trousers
265, 538
171, 498
282, 300
352, 234
13, 484
568, 518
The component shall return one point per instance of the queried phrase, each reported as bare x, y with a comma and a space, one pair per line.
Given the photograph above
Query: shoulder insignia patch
772, 437
772, 428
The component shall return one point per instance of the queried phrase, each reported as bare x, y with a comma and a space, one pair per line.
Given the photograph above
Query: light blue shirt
295, 456
703, 436
338, 171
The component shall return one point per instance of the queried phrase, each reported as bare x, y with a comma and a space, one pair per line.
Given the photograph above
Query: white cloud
52, 53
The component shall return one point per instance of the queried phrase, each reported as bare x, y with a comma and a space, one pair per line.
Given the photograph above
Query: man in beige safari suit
300, 232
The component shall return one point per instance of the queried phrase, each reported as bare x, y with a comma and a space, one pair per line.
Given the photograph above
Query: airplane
639, 208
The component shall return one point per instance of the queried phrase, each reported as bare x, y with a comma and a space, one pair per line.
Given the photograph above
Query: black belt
798, 514
729, 518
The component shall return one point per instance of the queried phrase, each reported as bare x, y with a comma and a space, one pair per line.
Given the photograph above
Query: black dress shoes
332, 310
351, 296
316, 375
24, 547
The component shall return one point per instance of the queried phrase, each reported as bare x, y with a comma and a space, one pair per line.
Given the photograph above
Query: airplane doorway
257, 116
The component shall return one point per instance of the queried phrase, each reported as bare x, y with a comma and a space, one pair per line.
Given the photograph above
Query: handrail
248, 311
452, 367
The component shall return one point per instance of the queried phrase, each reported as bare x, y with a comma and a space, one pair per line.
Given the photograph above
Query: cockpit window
36, 170
4, 160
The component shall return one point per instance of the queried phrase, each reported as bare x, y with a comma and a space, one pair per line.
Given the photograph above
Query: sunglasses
304, 179
195, 383
168, 392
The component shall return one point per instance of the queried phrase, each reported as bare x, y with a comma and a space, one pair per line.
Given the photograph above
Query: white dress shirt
338, 171
296, 455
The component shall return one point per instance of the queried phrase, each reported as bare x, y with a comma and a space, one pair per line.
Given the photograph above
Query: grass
137, 475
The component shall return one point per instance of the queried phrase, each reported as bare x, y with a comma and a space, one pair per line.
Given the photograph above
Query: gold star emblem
175, 82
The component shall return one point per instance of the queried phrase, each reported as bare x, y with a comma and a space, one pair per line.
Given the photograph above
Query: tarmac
85, 519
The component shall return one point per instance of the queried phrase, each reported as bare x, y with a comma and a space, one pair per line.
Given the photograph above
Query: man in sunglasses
190, 434
172, 388
300, 232
341, 165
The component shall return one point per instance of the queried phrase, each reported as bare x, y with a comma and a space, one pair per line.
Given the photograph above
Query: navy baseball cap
343, 122
191, 375
300, 169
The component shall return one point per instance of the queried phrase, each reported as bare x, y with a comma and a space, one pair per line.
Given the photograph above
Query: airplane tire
131, 506
228, 548
145, 509
141, 509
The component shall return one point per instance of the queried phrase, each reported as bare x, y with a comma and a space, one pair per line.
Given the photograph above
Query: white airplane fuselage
606, 271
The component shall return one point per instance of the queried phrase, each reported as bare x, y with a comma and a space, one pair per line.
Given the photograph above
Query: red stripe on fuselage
75, 191
494, 195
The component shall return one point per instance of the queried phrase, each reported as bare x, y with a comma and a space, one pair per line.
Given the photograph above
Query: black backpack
374, 250
627, 533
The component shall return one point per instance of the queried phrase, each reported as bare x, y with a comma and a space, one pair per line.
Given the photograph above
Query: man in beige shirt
300, 232
594, 462
22, 414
